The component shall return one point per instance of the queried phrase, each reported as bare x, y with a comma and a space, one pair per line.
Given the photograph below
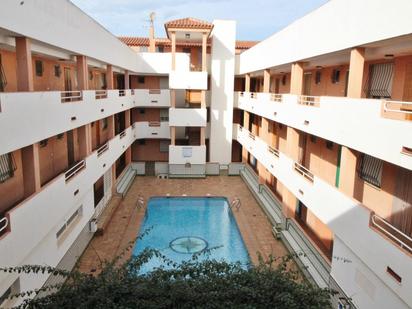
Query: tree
191, 284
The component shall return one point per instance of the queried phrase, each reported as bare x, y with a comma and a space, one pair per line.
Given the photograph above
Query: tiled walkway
255, 228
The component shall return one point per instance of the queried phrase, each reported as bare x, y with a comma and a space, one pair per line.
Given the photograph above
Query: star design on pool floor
188, 244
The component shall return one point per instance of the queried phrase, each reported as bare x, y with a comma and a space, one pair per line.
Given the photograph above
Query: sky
256, 19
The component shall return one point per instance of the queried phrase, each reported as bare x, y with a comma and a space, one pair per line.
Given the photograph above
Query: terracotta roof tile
144, 41
189, 22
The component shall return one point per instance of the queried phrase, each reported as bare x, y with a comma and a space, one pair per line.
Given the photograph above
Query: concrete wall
222, 84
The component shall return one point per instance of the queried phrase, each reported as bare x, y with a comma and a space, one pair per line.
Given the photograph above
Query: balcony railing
275, 97
309, 100
102, 149
4, 223
252, 136
400, 110
76, 169
394, 234
304, 171
71, 96
273, 151
101, 94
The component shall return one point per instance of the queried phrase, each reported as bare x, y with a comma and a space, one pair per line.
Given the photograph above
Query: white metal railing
397, 107
304, 171
252, 136
122, 134
273, 151
73, 171
100, 94
102, 149
309, 100
71, 96
4, 223
275, 97
392, 232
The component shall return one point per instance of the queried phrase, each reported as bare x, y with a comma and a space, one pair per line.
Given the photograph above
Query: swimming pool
182, 226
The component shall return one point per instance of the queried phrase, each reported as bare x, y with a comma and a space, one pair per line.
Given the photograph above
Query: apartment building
316, 119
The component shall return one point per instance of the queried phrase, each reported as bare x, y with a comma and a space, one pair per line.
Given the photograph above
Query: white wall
161, 63
61, 24
187, 117
345, 217
188, 80
41, 115
337, 25
356, 123
143, 98
187, 154
144, 130
222, 85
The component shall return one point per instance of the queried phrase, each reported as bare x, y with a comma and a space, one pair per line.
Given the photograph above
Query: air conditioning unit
277, 232
93, 225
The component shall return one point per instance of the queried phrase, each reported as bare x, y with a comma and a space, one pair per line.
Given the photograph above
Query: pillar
347, 177
202, 136
109, 77
85, 140
128, 155
247, 83
296, 78
204, 51
173, 38
82, 73
24, 64
126, 80
31, 169
152, 42
246, 119
173, 136
357, 62
127, 118
110, 126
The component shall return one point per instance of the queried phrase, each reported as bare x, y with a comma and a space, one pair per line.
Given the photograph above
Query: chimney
152, 45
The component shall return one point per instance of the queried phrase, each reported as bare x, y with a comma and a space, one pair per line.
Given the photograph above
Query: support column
109, 77
202, 136
128, 155
110, 126
247, 83
173, 136
127, 118
82, 73
357, 62
31, 169
24, 64
85, 140
204, 52
126, 79
296, 78
173, 38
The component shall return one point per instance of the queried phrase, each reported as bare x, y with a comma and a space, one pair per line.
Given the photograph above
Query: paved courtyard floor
124, 225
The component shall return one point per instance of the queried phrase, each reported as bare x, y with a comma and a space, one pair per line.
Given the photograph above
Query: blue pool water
183, 226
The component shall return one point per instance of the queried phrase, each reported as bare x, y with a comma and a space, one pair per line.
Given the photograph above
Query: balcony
69, 109
152, 129
187, 117
152, 97
37, 218
361, 124
188, 80
345, 217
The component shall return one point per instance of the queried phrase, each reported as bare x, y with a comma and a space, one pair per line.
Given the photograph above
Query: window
141, 142
160, 49
57, 70
380, 79
3, 80
143, 49
7, 167
329, 145
140, 79
318, 77
90, 75
75, 215
39, 67
105, 123
370, 170
164, 115
335, 76
283, 80
186, 50
164, 146
142, 111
